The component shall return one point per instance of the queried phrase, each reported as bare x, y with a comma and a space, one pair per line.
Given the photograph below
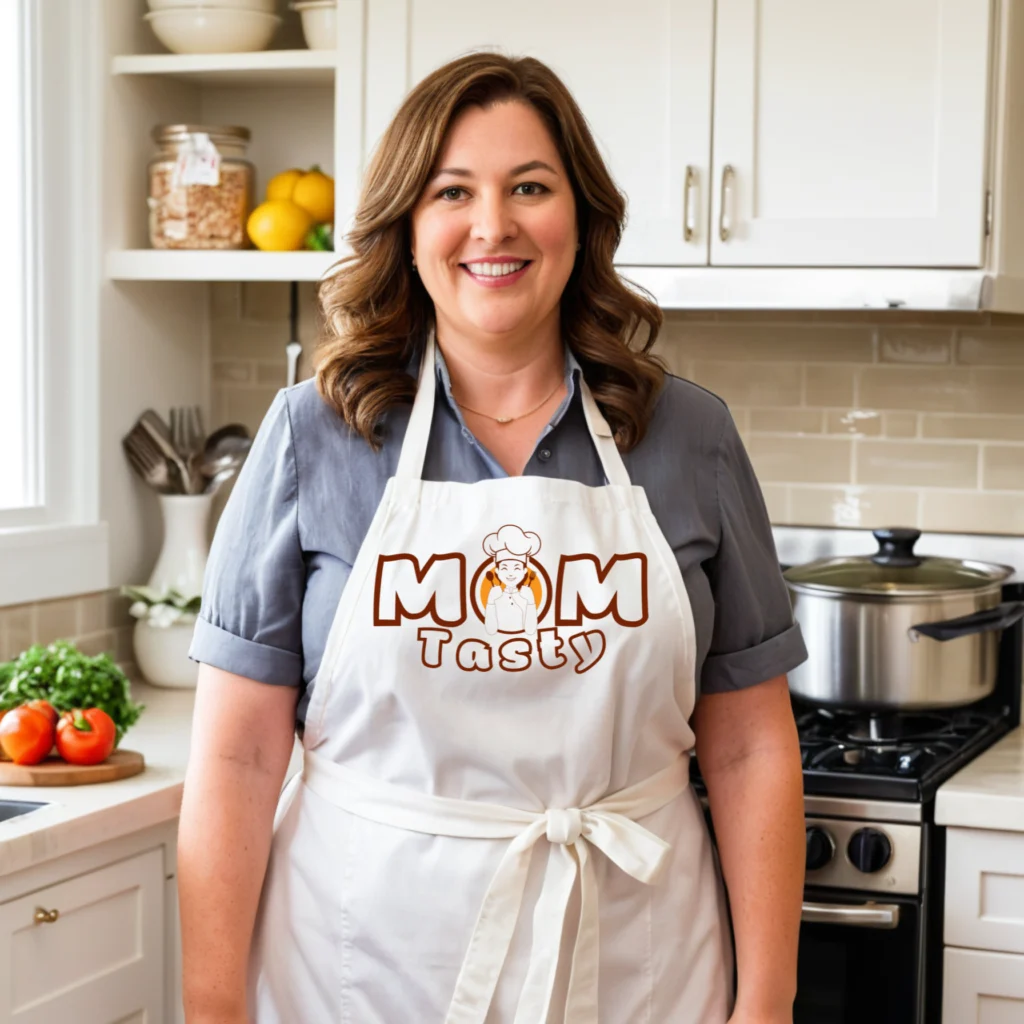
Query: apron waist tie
608, 824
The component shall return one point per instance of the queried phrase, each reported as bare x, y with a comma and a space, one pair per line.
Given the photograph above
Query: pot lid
895, 569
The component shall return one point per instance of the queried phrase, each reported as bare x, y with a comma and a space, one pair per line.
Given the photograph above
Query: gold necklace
508, 419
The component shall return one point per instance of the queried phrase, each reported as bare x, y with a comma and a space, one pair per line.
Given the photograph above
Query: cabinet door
100, 961
640, 71
850, 134
982, 988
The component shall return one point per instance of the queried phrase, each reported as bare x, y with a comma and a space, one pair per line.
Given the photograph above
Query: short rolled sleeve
754, 637
250, 622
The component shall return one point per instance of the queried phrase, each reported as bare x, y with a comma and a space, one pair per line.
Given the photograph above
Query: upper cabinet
850, 134
641, 72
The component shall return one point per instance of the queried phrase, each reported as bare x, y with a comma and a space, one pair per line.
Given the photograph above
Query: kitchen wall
851, 420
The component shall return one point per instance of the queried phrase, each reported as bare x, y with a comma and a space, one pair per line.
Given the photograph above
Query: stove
871, 932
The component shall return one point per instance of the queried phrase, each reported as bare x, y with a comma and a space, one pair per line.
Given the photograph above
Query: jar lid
895, 570
227, 133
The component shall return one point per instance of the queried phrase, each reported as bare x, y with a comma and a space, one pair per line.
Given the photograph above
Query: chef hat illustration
511, 542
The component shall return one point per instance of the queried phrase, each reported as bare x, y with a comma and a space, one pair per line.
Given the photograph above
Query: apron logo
511, 594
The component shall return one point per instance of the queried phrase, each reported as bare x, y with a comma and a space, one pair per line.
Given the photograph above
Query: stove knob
869, 850
820, 848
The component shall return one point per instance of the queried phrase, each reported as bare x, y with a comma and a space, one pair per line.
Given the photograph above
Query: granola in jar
200, 187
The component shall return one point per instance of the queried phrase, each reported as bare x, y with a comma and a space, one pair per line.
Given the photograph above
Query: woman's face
494, 233
511, 572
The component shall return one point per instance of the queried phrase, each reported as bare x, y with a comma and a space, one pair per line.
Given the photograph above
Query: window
16, 452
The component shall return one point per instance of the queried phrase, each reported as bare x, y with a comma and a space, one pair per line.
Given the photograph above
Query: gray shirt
303, 503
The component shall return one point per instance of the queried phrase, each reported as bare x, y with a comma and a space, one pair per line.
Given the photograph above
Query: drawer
982, 988
101, 956
985, 890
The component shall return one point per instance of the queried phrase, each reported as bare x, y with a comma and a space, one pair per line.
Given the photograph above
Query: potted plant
165, 620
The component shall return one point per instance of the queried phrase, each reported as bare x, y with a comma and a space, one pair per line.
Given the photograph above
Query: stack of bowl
219, 26
319, 22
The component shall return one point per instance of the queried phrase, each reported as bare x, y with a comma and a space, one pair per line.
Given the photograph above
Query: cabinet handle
724, 229
43, 916
689, 185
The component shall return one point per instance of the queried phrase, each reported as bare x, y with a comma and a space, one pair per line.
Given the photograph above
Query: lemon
279, 225
282, 185
314, 191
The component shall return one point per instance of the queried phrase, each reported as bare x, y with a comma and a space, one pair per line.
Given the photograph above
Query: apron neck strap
417, 433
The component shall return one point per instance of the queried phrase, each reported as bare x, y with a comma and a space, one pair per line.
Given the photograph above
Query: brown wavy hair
377, 313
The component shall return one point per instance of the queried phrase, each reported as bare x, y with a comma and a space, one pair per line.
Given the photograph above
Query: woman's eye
447, 193
535, 187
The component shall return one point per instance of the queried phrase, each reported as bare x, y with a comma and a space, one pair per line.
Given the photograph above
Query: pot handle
896, 548
1002, 616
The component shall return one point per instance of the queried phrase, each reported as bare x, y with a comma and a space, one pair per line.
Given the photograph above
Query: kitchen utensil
319, 23
187, 437
158, 430
227, 453
219, 479
897, 630
149, 461
54, 771
293, 350
213, 29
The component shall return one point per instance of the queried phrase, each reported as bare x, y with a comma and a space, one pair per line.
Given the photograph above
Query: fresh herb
68, 679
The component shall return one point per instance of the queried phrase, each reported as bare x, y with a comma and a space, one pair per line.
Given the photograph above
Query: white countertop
988, 792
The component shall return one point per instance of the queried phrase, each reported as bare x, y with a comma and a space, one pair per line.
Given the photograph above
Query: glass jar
200, 187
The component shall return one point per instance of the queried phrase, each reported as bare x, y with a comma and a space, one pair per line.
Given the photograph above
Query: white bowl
266, 6
319, 22
213, 29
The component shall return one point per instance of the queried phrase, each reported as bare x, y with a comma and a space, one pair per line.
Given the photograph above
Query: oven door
860, 960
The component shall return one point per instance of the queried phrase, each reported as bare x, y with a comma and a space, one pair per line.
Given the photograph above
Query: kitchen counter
988, 792
78, 817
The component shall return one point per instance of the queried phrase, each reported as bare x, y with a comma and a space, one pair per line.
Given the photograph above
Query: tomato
47, 709
86, 737
26, 735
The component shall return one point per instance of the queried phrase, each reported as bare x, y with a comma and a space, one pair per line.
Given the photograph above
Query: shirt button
544, 454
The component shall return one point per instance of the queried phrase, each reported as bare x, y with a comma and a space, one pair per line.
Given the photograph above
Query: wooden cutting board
55, 772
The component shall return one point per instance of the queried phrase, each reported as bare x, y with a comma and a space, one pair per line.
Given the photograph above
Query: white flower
139, 610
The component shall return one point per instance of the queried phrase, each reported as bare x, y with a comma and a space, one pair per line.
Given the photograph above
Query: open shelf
264, 67
213, 265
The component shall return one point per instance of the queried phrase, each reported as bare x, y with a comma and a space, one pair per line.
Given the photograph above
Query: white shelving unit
241, 70
212, 265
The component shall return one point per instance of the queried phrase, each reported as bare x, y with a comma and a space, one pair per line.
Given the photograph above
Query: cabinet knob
43, 916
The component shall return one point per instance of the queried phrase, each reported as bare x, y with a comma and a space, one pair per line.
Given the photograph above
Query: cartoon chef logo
510, 587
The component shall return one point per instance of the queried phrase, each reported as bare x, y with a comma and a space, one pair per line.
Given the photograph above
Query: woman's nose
494, 220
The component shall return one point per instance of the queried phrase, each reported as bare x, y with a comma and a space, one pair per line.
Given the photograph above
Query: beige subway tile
999, 392
800, 459
272, 373
253, 339
900, 424
117, 610
265, 300
915, 345
776, 500
917, 463
675, 356
741, 417
973, 428
92, 613
854, 506
978, 512
828, 385
247, 406
225, 300
104, 642
751, 383
17, 630
784, 342
1002, 467
124, 649
859, 422
232, 371
56, 620
786, 421
942, 389
987, 346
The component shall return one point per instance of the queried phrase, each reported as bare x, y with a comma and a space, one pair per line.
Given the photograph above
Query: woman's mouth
496, 275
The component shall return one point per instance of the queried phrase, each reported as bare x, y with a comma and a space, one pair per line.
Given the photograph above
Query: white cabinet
982, 988
641, 72
850, 134
99, 960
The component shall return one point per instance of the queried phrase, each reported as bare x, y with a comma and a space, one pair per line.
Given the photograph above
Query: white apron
494, 821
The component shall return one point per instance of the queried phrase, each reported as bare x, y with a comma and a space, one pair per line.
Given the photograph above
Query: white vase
162, 652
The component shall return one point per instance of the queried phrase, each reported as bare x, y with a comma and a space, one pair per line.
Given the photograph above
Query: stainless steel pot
896, 630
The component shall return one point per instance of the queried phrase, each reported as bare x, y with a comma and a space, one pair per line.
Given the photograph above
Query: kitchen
826, 214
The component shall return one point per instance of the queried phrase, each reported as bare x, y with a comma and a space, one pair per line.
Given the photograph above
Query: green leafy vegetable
68, 679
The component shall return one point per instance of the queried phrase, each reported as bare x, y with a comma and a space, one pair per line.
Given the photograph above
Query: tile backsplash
851, 420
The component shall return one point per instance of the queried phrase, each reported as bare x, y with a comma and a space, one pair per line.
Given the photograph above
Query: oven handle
860, 915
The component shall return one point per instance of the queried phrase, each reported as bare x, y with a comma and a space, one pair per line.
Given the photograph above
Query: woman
501, 827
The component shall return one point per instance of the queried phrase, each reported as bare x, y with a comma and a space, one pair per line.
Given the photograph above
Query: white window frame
60, 547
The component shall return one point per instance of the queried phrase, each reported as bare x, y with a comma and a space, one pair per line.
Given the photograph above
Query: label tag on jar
198, 162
